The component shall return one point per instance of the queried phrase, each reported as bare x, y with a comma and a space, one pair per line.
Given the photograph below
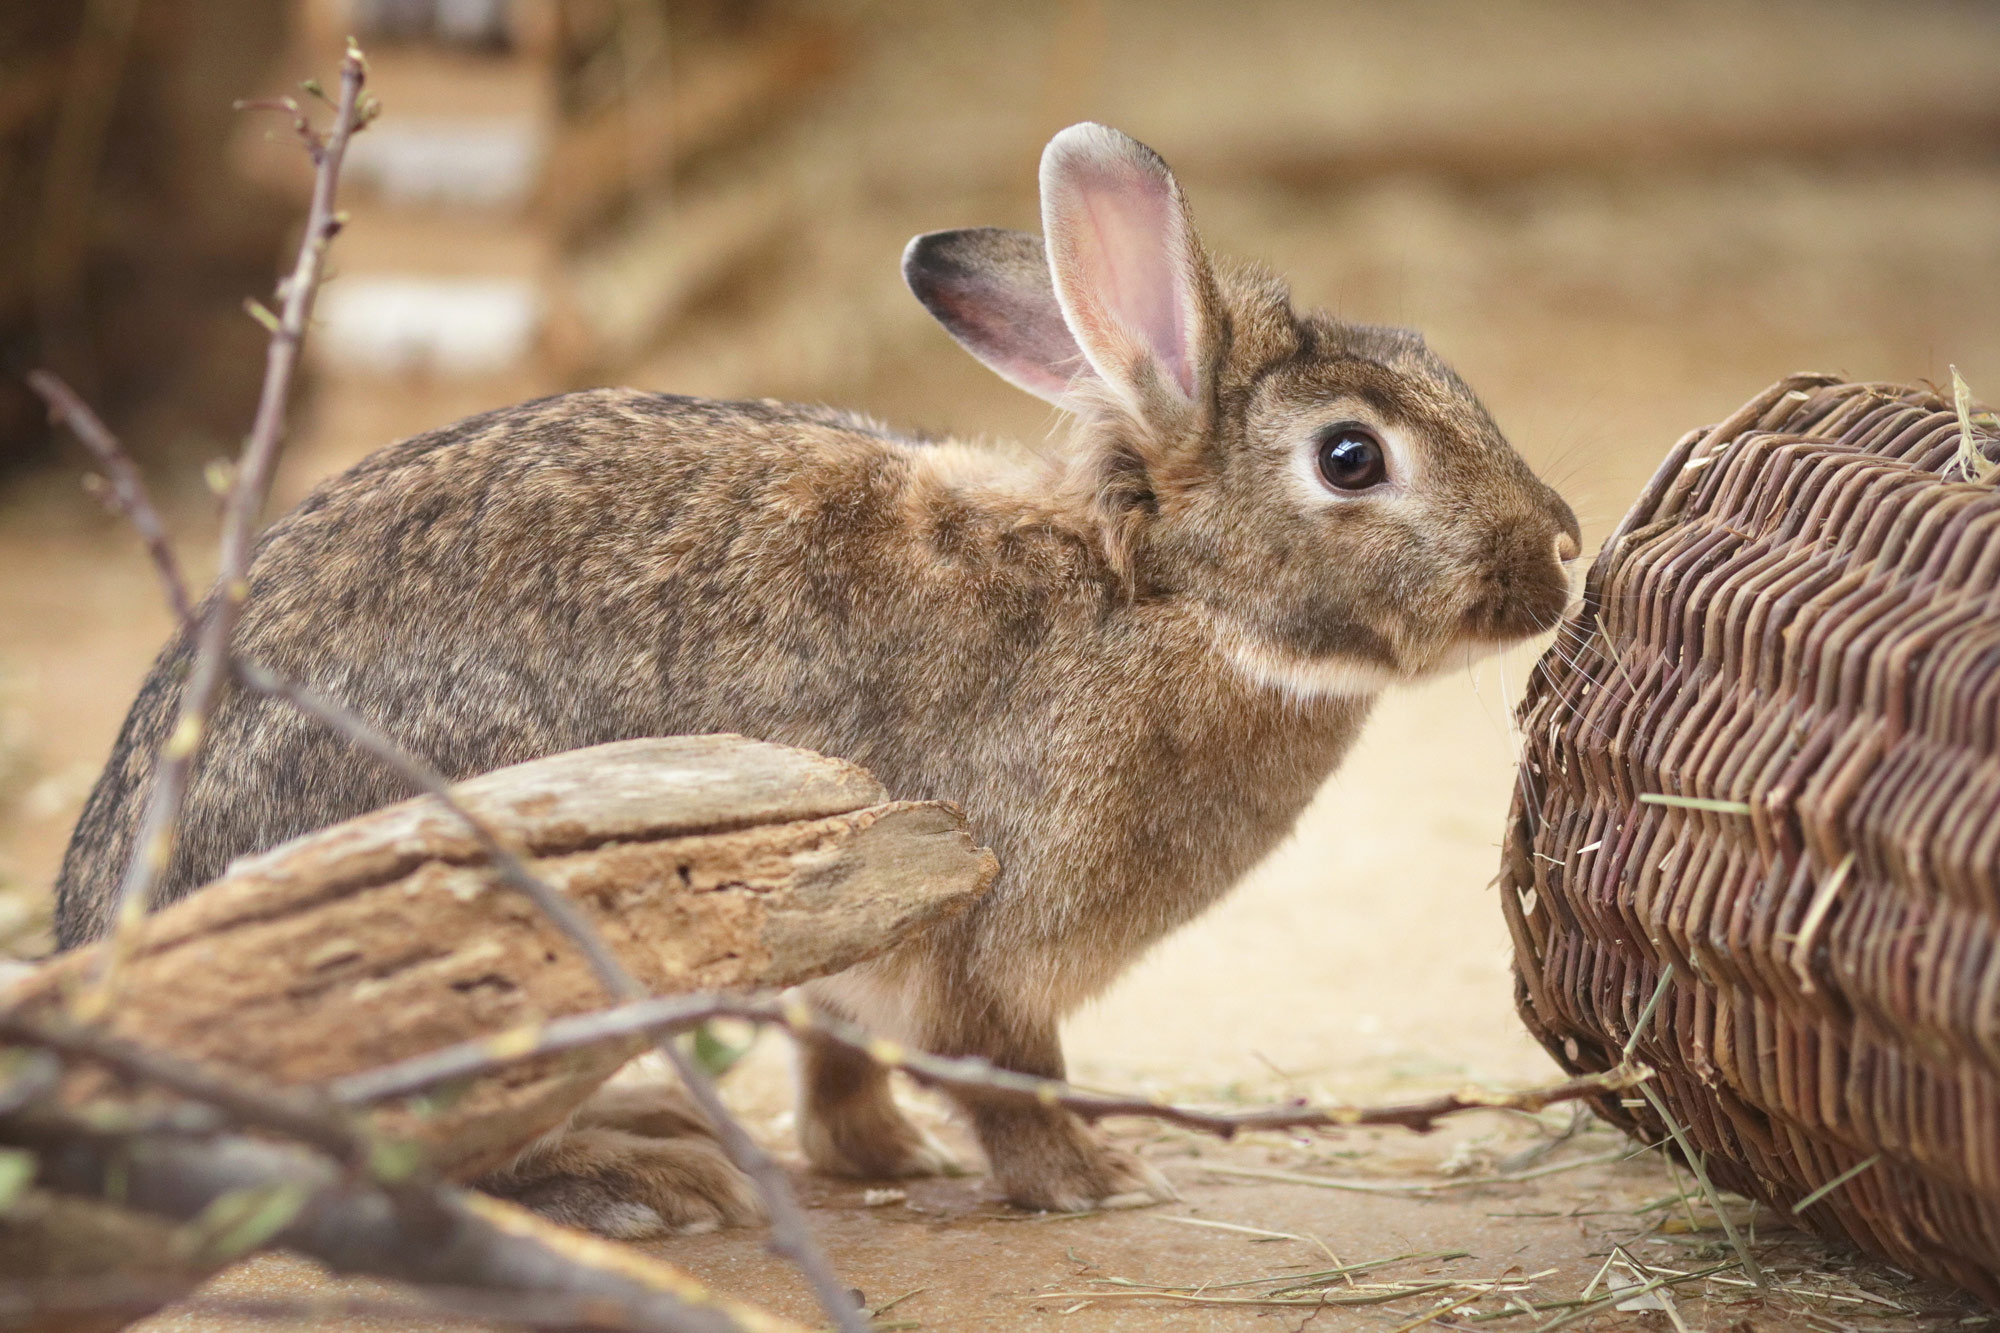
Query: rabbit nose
1567, 547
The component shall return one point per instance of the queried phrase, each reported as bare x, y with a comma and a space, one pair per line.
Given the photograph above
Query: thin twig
791, 1234
1850, 1173
153, 847
461, 1240
126, 494
213, 667
956, 1074
1816, 913
1617, 1295
1323, 1298
303, 1116
1288, 1282
1646, 1014
1713, 805
1694, 1161
1413, 1186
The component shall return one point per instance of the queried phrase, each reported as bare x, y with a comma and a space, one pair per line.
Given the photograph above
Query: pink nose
1566, 547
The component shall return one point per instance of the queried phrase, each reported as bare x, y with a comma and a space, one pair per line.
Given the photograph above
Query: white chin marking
1465, 653
1304, 678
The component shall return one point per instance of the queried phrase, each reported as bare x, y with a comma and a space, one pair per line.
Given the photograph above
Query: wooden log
707, 862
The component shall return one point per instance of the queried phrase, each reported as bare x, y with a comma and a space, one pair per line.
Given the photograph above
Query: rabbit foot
1116, 1179
850, 1125
874, 1142
1053, 1162
636, 1160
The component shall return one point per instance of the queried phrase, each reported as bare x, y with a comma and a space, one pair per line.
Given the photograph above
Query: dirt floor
1601, 312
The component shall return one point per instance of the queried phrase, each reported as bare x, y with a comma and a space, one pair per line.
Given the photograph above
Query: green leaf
714, 1054
17, 1172
243, 1220
393, 1160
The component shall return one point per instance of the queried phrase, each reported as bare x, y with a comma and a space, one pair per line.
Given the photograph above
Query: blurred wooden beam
31, 92
640, 138
615, 297
1510, 146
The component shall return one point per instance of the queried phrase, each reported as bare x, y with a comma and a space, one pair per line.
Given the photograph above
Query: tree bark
707, 863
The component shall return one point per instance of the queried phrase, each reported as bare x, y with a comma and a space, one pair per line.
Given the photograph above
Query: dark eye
1351, 458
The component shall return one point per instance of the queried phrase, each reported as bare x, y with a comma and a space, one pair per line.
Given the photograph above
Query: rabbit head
1331, 498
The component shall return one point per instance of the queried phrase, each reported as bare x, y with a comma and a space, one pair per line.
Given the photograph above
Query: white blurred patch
452, 326
487, 162
14, 971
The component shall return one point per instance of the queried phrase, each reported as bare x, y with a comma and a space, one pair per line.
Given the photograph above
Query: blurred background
1618, 221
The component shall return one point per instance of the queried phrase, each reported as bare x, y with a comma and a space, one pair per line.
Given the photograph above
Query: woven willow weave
1798, 624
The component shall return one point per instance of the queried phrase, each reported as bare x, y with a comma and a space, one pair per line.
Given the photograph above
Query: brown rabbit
1133, 661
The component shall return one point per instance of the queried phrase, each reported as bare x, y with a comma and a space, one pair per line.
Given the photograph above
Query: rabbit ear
1127, 266
990, 289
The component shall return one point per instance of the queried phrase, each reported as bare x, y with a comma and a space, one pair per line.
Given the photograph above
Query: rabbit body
1132, 659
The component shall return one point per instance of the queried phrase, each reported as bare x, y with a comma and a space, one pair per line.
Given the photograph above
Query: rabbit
1132, 657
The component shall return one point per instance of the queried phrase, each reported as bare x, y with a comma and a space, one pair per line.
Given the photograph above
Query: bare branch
977, 1078
304, 1116
462, 1240
127, 494
214, 666
153, 847
791, 1234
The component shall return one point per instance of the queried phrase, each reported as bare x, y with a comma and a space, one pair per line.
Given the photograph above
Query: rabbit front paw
850, 1125
1051, 1161
873, 1141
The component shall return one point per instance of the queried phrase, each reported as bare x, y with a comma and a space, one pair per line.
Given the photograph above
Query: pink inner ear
1132, 226
1123, 256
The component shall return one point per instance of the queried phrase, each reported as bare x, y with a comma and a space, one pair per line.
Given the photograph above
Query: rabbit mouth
1521, 610
1498, 623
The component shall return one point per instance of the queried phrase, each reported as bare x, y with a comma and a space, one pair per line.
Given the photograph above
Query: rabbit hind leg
636, 1160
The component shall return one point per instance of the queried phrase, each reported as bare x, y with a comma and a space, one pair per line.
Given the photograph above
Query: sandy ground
1599, 315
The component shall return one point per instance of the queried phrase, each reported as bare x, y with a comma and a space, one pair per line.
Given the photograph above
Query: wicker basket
1798, 624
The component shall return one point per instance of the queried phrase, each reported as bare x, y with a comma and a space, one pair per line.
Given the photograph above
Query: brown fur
1116, 658
636, 1160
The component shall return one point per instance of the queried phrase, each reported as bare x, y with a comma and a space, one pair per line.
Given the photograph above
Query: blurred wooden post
517, 225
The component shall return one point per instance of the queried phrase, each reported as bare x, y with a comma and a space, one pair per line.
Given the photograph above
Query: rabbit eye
1351, 458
